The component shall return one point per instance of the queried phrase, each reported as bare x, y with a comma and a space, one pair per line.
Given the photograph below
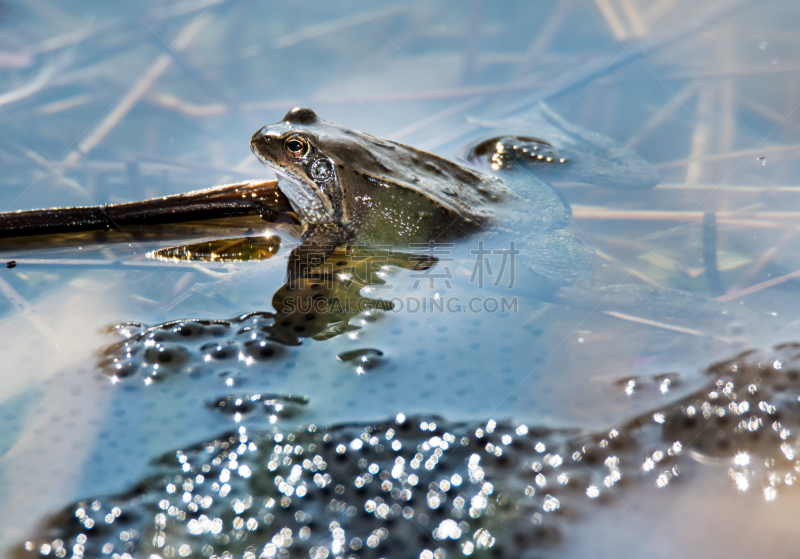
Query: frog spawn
747, 418
403, 488
425, 487
192, 346
323, 305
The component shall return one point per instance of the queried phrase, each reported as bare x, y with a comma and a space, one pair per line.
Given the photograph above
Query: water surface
112, 102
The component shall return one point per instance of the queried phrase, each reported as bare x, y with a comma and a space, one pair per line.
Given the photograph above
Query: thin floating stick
763, 220
137, 91
727, 187
732, 73
710, 253
730, 155
31, 87
766, 257
190, 109
664, 113
701, 136
634, 18
472, 36
27, 310
626, 269
612, 20
665, 326
732, 295
544, 36
349, 21
419, 125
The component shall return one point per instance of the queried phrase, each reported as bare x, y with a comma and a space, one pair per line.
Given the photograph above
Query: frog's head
334, 175
293, 148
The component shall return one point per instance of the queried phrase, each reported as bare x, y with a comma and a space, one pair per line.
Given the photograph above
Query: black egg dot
188, 330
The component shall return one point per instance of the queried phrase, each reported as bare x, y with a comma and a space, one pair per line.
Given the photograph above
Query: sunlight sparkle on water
741, 459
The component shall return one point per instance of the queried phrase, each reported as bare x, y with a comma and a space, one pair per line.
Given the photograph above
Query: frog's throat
308, 203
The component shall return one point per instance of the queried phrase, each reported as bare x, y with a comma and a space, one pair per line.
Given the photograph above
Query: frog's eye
296, 146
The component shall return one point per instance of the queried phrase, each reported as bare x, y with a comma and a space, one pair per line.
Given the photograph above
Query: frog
348, 186
341, 186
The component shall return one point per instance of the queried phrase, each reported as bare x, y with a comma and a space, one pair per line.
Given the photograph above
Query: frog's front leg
568, 152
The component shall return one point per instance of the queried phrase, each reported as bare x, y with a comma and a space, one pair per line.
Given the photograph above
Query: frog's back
450, 187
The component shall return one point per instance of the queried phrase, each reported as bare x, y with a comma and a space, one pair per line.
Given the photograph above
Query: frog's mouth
309, 200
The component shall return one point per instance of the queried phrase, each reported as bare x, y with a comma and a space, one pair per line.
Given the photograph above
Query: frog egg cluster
411, 487
748, 416
192, 346
324, 305
425, 487
258, 409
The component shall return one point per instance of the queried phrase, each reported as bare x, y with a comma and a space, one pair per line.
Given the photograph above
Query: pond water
502, 424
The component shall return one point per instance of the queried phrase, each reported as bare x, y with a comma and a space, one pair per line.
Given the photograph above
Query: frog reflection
342, 186
325, 303
348, 186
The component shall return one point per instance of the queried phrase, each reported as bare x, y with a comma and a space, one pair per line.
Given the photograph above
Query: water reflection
241, 249
324, 304
709, 108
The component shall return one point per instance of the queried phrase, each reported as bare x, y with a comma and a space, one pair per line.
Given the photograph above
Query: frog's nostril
259, 135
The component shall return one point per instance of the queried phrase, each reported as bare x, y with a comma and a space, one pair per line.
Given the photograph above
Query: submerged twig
766, 257
634, 18
626, 269
663, 114
762, 220
730, 155
701, 135
26, 310
137, 91
710, 253
665, 326
732, 295
544, 36
349, 21
612, 20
